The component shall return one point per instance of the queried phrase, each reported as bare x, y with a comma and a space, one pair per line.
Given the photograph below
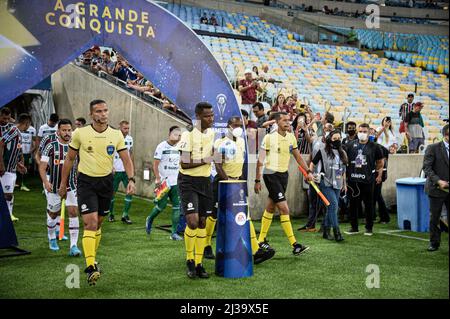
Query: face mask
237, 132
336, 144
351, 132
372, 138
362, 136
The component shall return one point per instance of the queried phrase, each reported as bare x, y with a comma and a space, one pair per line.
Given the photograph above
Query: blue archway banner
38, 37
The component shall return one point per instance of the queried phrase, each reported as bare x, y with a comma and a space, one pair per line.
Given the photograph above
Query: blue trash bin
233, 245
413, 207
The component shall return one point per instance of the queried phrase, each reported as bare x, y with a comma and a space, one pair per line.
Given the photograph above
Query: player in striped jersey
52, 160
11, 159
46, 140
5, 120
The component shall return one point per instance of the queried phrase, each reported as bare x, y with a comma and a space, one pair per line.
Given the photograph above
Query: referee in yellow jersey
276, 150
196, 156
95, 144
231, 151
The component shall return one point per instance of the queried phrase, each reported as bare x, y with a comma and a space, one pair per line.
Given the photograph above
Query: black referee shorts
196, 194
276, 184
94, 194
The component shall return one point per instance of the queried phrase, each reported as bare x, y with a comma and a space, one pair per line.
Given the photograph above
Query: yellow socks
200, 244
190, 236
210, 224
88, 242
265, 225
253, 239
287, 227
98, 237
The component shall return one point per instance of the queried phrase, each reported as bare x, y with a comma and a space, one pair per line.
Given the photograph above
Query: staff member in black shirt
365, 166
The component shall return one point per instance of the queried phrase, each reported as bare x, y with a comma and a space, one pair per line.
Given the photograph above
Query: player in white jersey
28, 148
120, 176
165, 167
48, 128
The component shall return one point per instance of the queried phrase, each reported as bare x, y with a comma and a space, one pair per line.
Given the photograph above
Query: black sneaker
368, 232
92, 275
265, 245
126, 220
262, 255
201, 272
111, 219
191, 272
299, 249
208, 253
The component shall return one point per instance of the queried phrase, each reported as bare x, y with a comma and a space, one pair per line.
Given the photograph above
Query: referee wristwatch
257, 181
132, 179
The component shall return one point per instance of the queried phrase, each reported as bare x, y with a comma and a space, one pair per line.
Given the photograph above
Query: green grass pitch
135, 265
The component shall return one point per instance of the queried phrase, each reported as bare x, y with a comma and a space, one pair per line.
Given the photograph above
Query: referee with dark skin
95, 146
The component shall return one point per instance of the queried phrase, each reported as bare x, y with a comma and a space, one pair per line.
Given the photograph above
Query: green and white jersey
27, 139
54, 154
118, 164
46, 130
169, 165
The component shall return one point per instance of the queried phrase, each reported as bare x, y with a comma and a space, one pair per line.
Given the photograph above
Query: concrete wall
273, 15
74, 88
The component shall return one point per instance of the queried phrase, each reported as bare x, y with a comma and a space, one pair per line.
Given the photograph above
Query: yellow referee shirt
96, 150
278, 150
233, 153
200, 145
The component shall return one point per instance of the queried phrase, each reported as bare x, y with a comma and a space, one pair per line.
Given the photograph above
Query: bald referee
95, 144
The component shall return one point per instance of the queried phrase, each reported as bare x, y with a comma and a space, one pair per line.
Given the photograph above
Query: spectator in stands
121, 68
106, 65
96, 56
80, 122
204, 19
414, 128
167, 105
405, 108
328, 118
271, 124
280, 104
352, 36
248, 88
290, 107
350, 131
386, 136
87, 57
247, 123
261, 117
213, 20
303, 133
255, 72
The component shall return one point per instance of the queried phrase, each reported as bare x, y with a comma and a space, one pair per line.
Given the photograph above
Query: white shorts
54, 201
8, 182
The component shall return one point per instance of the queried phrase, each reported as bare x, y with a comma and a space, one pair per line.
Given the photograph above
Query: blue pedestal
413, 207
233, 246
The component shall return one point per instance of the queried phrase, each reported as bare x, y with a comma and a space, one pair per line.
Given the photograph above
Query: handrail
146, 97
